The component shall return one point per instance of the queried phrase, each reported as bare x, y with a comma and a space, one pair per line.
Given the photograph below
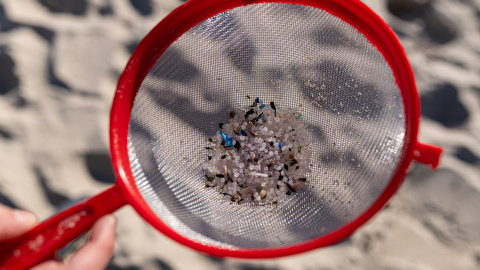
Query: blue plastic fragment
261, 117
228, 141
262, 106
279, 145
257, 100
244, 133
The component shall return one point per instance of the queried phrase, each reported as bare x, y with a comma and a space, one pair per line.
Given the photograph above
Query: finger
99, 249
49, 265
15, 222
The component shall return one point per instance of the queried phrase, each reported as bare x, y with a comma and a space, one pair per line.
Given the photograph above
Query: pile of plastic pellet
260, 156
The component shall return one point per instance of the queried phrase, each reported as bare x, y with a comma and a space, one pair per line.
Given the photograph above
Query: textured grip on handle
41, 243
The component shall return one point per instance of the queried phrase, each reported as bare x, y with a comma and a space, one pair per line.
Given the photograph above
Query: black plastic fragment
273, 107
290, 188
294, 161
250, 112
237, 145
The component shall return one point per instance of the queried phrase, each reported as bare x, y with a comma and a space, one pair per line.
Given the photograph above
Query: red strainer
335, 61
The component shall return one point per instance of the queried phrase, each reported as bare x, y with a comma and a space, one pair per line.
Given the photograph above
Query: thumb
14, 222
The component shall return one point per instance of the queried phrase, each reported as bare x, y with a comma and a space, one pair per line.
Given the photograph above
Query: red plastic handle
41, 243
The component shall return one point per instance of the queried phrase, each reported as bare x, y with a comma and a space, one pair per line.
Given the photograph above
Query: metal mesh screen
300, 57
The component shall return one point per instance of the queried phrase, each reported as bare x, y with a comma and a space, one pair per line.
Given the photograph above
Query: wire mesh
299, 57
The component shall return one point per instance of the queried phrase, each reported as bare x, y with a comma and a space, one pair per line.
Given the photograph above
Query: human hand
95, 254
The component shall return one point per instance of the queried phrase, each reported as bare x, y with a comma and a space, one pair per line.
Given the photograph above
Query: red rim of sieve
193, 12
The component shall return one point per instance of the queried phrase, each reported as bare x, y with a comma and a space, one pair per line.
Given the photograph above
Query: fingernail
109, 222
24, 217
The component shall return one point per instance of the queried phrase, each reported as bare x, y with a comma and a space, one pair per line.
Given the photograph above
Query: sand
59, 64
